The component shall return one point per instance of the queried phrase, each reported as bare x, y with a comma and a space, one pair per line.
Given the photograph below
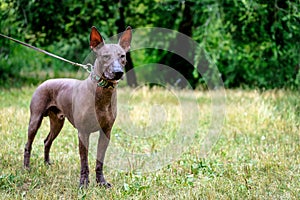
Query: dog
89, 105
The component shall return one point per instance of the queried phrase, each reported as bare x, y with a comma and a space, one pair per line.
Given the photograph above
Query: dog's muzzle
117, 70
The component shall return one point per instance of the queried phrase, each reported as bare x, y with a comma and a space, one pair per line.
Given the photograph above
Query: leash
86, 67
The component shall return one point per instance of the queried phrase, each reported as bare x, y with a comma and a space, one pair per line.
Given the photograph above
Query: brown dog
90, 105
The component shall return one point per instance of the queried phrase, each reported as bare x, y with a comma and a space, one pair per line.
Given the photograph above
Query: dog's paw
83, 183
48, 162
105, 184
102, 182
26, 167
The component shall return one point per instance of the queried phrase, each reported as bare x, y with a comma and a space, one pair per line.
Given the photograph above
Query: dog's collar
101, 82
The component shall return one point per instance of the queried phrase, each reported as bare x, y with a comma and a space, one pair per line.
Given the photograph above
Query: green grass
256, 157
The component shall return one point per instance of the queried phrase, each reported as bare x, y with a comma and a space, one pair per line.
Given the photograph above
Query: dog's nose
118, 75
117, 70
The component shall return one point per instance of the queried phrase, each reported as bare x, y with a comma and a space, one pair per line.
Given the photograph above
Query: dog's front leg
83, 151
103, 142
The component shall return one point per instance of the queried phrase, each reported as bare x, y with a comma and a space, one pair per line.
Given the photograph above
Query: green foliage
256, 43
58, 27
253, 43
46, 22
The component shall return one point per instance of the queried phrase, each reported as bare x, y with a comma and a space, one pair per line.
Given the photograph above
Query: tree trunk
129, 68
178, 62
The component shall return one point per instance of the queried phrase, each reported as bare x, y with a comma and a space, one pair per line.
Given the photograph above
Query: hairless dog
90, 104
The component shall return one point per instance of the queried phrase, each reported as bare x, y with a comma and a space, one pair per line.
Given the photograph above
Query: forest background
254, 43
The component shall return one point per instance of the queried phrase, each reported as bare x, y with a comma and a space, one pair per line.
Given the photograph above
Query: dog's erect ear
125, 39
95, 38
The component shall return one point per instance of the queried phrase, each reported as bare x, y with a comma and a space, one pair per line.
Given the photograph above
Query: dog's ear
125, 39
95, 38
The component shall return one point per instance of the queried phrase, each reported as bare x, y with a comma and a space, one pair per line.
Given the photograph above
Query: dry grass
256, 155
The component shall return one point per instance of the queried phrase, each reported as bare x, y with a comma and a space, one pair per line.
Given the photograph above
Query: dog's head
110, 58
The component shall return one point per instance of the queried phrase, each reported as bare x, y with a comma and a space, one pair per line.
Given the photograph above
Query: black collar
104, 83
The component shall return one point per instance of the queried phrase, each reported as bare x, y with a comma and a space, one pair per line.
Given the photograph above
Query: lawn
157, 148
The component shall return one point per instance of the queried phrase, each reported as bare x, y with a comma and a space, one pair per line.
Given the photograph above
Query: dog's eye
106, 57
122, 56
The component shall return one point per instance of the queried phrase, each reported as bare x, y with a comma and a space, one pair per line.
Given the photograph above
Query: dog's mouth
113, 76
118, 75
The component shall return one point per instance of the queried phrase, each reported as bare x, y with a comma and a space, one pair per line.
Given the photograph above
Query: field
158, 148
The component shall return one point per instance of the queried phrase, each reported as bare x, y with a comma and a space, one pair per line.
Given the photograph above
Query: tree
179, 62
120, 22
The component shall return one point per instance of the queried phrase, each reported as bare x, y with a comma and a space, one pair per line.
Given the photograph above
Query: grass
256, 155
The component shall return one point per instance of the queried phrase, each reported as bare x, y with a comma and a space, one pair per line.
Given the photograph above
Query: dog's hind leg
56, 123
34, 125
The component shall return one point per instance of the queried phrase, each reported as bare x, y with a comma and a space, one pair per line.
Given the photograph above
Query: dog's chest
105, 106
